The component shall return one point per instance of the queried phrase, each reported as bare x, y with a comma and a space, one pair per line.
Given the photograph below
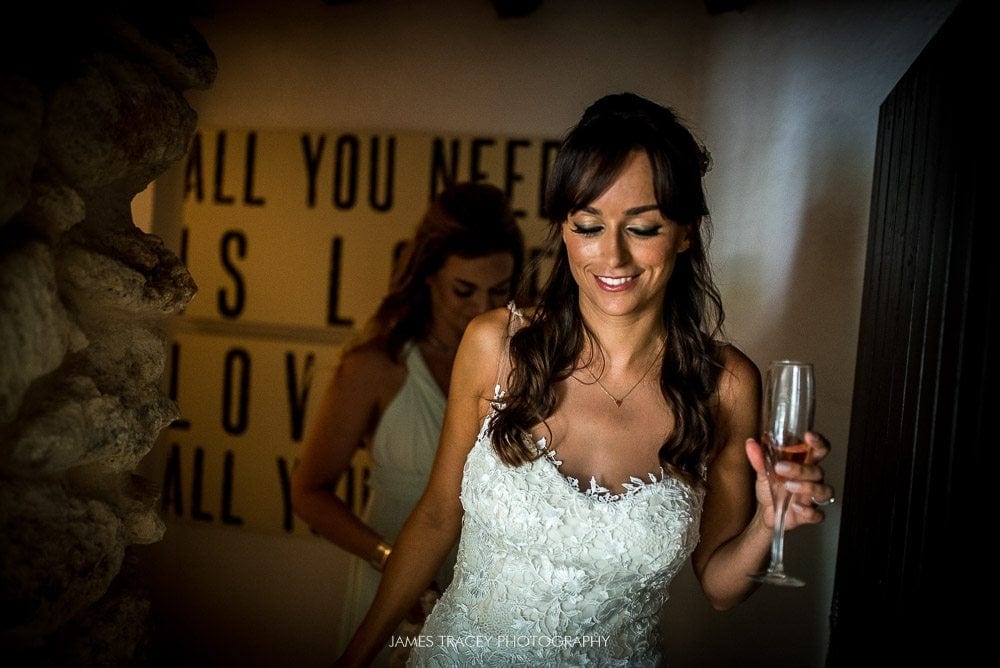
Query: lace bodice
549, 575
594, 490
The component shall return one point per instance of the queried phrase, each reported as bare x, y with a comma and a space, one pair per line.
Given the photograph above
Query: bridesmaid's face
466, 287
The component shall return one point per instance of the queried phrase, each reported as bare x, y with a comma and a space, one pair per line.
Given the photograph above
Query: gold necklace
618, 402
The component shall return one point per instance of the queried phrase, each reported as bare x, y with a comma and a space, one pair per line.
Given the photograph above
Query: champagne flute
789, 402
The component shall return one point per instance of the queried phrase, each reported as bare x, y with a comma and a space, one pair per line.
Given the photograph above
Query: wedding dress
549, 575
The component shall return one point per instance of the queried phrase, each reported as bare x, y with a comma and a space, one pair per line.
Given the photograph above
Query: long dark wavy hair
547, 349
468, 220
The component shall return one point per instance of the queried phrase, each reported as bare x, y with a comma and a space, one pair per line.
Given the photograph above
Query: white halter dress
402, 451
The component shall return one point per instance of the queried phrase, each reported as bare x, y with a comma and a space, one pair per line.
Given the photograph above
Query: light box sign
291, 237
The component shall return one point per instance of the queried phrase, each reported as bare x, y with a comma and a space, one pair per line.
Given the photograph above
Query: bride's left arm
737, 516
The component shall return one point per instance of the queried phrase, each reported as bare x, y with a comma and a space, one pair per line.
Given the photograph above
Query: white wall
790, 97
786, 96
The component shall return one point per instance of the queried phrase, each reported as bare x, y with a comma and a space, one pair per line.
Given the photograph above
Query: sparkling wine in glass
787, 414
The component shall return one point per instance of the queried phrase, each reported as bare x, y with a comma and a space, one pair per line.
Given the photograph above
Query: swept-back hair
468, 220
547, 349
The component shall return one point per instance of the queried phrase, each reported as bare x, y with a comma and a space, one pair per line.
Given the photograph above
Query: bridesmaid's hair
468, 220
545, 351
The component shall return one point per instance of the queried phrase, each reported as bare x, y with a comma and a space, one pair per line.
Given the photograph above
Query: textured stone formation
91, 111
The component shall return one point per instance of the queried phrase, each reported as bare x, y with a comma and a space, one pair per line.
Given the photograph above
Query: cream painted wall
142, 209
786, 96
790, 95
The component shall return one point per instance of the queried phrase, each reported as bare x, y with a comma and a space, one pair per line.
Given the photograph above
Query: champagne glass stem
778, 536
775, 573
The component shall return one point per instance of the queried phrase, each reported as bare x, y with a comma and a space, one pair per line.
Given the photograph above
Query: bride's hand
805, 481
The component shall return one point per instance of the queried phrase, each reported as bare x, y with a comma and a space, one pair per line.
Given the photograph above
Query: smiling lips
614, 283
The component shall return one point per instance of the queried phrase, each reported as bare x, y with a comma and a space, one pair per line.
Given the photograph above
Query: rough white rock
84, 297
35, 331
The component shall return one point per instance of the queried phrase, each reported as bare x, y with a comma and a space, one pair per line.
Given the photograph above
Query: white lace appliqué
595, 490
548, 574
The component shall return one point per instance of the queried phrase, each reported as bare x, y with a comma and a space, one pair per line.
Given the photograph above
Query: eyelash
585, 231
638, 231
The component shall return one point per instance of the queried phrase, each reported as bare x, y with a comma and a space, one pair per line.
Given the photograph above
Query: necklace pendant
619, 402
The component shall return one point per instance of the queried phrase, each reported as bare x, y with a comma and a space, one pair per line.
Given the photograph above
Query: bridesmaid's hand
418, 613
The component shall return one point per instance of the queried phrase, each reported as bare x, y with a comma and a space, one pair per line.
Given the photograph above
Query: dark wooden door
912, 536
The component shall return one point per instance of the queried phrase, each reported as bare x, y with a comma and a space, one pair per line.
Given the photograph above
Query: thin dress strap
514, 319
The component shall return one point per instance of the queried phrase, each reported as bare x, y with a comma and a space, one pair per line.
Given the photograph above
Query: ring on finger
828, 502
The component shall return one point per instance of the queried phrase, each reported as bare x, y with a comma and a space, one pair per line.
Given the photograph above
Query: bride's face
621, 248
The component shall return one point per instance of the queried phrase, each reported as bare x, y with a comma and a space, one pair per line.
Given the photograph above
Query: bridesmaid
388, 391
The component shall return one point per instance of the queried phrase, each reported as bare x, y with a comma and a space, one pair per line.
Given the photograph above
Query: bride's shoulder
487, 332
736, 361
477, 354
740, 377
490, 330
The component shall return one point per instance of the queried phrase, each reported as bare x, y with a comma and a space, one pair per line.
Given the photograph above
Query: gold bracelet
383, 550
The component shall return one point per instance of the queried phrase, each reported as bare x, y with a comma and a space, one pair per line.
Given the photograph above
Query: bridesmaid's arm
346, 415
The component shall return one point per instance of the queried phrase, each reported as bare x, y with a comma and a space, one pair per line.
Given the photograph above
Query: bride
594, 443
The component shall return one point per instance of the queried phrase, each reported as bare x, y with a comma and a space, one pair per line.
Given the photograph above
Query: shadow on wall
86, 124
